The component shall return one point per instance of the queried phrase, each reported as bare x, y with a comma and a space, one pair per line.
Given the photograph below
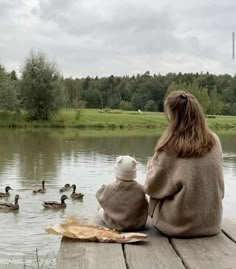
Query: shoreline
107, 119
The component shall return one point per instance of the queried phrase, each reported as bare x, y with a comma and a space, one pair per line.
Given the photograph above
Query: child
124, 206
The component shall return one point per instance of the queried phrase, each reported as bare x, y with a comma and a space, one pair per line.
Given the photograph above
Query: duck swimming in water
10, 206
65, 188
41, 190
56, 205
6, 193
76, 195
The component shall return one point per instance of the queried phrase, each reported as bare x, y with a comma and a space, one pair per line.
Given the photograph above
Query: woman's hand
149, 164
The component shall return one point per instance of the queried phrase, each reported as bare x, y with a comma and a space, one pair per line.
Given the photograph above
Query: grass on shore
110, 119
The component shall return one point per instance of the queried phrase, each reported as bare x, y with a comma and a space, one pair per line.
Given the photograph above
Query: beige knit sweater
186, 193
125, 205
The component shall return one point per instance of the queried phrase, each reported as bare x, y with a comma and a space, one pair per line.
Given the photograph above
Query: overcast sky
104, 37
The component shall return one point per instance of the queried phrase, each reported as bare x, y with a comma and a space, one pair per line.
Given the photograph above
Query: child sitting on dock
124, 206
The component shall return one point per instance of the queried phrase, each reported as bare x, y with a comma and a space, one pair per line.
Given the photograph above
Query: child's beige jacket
125, 205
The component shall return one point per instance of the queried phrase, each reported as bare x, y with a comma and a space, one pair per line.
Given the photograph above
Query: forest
40, 89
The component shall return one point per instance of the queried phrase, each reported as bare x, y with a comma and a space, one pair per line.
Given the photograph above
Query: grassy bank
106, 119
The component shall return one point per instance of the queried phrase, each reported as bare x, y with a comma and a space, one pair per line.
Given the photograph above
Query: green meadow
106, 119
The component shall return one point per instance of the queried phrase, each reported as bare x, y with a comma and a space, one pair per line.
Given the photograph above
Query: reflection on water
67, 156
229, 155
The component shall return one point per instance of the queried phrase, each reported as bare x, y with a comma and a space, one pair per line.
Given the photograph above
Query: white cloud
95, 37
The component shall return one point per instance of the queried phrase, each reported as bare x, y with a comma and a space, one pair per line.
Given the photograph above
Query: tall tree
41, 86
72, 90
8, 92
201, 94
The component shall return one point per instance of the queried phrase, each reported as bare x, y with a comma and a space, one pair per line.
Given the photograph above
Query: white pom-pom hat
125, 168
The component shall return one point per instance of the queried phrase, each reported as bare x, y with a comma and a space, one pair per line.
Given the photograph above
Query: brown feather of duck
67, 187
41, 190
55, 204
10, 206
76, 195
6, 193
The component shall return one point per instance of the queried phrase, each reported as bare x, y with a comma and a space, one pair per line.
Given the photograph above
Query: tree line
41, 90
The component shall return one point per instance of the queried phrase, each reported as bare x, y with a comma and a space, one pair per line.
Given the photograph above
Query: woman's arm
158, 182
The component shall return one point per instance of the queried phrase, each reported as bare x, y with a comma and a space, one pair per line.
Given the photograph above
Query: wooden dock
158, 252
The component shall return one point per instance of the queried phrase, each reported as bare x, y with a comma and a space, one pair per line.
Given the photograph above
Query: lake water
85, 158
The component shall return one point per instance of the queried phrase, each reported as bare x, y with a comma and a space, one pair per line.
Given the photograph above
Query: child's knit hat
125, 168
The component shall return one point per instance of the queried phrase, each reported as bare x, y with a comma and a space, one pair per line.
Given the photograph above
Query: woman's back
195, 186
185, 177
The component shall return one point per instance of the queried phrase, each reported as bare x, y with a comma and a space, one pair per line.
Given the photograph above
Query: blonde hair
187, 133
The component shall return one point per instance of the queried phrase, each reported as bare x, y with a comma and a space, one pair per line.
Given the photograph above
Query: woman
185, 178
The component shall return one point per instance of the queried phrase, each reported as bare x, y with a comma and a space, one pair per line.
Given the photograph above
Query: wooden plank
229, 228
90, 255
208, 252
156, 253
74, 254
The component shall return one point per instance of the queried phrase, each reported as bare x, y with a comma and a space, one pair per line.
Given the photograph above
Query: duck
56, 205
41, 190
6, 193
65, 188
10, 206
75, 195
